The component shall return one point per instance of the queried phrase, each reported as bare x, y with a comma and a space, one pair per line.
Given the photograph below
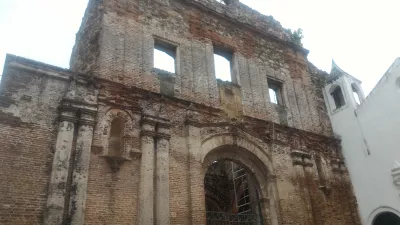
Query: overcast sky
362, 36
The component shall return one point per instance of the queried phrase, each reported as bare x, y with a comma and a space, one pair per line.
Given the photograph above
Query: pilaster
196, 174
81, 167
146, 188
162, 174
59, 175
302, 162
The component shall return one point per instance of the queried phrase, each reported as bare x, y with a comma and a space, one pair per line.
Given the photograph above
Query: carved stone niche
120, 138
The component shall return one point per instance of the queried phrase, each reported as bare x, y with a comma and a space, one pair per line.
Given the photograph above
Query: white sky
361, 35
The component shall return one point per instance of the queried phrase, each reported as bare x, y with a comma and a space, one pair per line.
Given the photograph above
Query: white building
370, 132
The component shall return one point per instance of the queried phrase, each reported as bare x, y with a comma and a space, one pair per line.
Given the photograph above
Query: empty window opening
164, 56
223, 64
356, 94
115, 138
231, 195
338, 97
275, 92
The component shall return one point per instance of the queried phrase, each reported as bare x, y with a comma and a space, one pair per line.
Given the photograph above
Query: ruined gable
119, 141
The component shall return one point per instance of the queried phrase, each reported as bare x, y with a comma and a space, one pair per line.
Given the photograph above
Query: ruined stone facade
115, 141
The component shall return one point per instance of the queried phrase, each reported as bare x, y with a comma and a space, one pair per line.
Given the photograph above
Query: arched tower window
338, 97
356, 93
115, 138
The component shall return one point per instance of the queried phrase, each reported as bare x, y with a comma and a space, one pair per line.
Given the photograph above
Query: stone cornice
155, 121
155, 134
265, 124
132, 108
71, 119
148, 133
87, 122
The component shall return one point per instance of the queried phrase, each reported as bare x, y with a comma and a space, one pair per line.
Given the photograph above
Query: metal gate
221, 218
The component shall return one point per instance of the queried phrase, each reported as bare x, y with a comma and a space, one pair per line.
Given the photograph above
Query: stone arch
379, 211
233, 139
255, 160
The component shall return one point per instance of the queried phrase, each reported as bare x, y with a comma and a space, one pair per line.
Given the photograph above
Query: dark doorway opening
231, 195
386, 218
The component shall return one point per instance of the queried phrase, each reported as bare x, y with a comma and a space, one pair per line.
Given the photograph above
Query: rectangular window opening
223, 64
164, 56
275, 91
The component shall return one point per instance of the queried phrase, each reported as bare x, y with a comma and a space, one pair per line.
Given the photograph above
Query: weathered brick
193, 119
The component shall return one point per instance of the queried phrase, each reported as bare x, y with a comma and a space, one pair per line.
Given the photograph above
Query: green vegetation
296, 36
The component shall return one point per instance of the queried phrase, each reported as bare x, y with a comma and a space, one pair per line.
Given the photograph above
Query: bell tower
342, 91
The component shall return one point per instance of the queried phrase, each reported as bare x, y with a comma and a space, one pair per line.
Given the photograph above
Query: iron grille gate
221, 218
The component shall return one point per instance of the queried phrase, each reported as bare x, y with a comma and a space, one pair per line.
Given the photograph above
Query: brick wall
125, 55
28, 127
113, 55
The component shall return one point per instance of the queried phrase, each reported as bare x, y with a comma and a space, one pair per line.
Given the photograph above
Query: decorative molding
163, 136
338, 165
87, 122
301, 158
71, 119
148, 133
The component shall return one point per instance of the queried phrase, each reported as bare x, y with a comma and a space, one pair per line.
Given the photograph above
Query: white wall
371, 142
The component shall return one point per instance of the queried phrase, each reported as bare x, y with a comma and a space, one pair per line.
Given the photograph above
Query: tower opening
338, 97
356, 94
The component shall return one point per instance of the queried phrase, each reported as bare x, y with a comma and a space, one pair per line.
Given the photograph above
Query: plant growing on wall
296, 36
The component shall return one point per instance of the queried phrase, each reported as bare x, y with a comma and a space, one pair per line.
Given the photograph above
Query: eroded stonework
116, 141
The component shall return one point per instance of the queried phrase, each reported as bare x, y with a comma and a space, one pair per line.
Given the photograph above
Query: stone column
196, 180
146, 188
162, 175
59, 173
81, 167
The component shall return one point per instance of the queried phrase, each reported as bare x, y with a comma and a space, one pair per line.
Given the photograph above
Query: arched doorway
245, 157
386, 218
232, 196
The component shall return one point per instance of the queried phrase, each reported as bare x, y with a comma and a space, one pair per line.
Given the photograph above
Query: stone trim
148, 133
148, 121
155, 134
163, 136
131, 108
71, 119
301, 158
87, 122
338, 165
